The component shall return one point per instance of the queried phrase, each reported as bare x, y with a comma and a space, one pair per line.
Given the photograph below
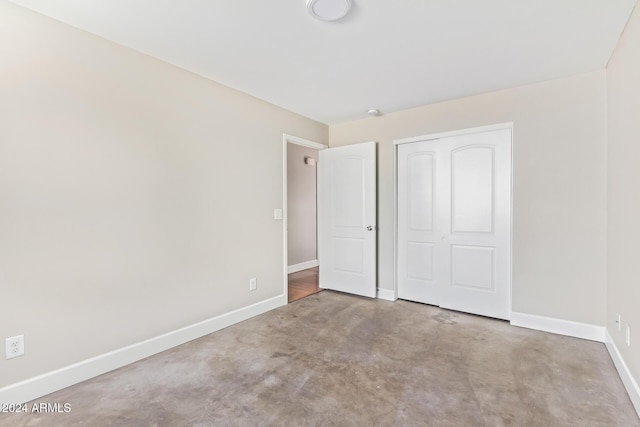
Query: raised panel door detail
473, 267
418, 223
420, 191
472, 177
348, 255
420, 261
348, 187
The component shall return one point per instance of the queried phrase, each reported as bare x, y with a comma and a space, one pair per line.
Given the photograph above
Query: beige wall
623, 281
301, 204
135, 198
559, 202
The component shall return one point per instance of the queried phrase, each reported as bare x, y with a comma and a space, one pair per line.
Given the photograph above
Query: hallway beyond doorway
303, 283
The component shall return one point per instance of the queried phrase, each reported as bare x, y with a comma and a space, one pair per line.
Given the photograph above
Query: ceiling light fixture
374, 112
328, 10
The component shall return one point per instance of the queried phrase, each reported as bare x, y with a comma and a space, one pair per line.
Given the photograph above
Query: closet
454, 221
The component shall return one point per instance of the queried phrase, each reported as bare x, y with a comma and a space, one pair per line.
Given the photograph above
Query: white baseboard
302, 266
42, 385
627, 379
585, 331
387, 294
558, 326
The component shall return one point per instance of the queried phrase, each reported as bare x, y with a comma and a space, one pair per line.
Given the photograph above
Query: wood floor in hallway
303, 283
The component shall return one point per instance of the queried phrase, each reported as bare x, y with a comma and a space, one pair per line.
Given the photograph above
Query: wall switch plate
627, 337
253, 284
14, 346
277, 214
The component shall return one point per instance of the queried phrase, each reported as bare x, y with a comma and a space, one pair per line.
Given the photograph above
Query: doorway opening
300, 206
302, 284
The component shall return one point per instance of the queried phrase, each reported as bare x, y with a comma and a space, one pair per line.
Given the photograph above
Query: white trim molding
588, 332
459, 132
558, 326
304, 142
42, 385
625, 374
302, 266
387, 294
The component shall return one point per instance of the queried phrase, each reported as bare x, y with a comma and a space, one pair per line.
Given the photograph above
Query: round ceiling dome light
328, 10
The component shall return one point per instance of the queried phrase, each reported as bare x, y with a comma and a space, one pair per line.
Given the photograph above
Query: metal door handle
370, 227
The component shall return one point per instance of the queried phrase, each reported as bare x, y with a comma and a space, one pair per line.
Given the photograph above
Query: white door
463, 262
347, 219
419, 227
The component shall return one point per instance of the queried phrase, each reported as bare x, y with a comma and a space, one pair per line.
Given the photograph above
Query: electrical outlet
619, 322
14, 346
628, 336
253, 284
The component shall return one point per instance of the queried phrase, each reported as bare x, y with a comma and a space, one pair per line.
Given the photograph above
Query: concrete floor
334, 359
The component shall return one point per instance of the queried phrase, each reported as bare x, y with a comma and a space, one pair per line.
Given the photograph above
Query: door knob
370, 227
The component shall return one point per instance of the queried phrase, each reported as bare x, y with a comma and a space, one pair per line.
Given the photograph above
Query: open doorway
301, 254
302, 284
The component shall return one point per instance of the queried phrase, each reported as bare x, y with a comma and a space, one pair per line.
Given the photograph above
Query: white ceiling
387, 54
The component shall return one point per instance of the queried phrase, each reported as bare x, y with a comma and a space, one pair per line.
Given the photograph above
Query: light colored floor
333, 359
303, 283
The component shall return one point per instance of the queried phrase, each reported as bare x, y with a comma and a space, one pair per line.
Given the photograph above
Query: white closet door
419, 227
454, 222
347, 219
479, 217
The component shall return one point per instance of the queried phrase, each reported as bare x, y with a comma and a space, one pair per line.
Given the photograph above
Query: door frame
286, 139
440, 135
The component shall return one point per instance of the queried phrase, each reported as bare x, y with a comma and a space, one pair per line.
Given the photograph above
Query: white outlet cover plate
14, 346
